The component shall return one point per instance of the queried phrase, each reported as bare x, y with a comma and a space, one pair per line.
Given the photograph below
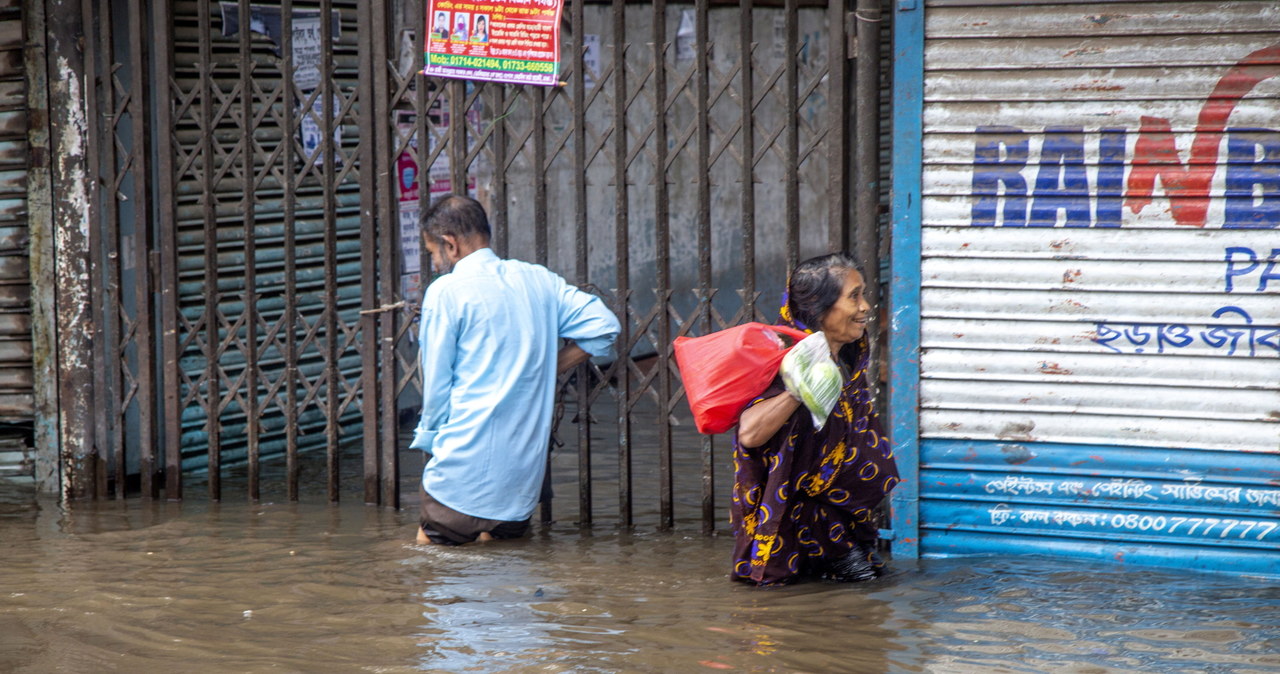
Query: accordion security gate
254, 296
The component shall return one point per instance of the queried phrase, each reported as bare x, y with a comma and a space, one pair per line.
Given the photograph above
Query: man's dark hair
455, 215
815, 286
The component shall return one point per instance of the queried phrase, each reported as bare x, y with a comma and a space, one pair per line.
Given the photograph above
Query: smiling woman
803, 496
846, 319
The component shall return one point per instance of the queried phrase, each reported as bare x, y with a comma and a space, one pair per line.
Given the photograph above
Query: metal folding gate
253, 287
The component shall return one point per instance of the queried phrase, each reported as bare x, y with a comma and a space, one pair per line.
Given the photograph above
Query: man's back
490, 335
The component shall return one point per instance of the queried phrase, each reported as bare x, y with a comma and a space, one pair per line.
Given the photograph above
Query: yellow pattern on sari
834, 459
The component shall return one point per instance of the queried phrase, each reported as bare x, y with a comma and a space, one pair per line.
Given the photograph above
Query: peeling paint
69, 78
1017, 430
1072, 307
71, 213
1084, 51
1098, 87
1053, 368
1104, 19
71, 148
40, 226
899, 314
1016, 454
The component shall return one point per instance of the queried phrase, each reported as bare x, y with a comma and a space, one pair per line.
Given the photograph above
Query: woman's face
846, 320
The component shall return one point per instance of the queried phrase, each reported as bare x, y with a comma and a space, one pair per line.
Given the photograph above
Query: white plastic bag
809, 372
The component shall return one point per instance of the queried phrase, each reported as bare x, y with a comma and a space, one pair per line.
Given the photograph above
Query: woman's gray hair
816, 285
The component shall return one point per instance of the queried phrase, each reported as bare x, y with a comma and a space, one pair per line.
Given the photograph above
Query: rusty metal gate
254, 290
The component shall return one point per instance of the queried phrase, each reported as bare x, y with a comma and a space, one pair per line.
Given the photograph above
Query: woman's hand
761, 421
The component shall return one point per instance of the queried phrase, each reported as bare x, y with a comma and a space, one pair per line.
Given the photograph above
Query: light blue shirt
490, 333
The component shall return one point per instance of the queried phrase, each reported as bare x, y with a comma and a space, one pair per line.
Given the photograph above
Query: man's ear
449, 244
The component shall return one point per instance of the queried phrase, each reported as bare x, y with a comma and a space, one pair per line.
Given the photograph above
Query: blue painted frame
904, 289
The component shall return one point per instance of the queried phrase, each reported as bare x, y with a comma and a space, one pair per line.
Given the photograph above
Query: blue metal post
904, 338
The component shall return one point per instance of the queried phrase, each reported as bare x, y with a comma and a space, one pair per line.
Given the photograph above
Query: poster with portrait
514, 41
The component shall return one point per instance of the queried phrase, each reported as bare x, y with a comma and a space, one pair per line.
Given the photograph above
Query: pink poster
515, 41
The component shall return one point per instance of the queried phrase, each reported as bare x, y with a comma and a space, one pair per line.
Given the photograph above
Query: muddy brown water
138, 586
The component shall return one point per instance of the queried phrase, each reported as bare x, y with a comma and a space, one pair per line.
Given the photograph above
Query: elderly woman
803, 498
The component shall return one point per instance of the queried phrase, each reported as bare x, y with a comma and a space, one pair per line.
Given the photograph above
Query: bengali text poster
515, 41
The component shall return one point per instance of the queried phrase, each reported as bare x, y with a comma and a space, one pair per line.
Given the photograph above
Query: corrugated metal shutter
16, 402
309, 205
1100, 330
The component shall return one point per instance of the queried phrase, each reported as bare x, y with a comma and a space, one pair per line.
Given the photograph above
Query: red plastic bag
725, 370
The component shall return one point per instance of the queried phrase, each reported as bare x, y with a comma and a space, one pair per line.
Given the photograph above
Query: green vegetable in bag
809, 372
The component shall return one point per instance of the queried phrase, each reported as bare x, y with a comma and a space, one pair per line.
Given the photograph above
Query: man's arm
570, 357
438, 347
586, 321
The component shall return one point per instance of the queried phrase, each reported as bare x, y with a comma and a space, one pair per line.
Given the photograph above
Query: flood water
139, 586
236, 587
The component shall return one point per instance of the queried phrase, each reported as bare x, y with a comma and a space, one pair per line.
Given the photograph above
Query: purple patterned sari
802, 500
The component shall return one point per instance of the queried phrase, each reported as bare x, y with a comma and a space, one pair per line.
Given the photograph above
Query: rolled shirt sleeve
586, 320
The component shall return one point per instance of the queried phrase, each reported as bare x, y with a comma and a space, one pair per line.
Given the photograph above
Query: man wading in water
490, 341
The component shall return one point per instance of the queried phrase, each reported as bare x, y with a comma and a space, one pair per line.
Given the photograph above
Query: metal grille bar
289, 319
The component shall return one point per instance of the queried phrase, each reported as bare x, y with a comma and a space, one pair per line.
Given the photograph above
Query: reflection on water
312, 588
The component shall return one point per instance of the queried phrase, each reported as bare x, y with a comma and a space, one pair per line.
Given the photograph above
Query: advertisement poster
409, 185
306, 32
306, 62
514, 41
